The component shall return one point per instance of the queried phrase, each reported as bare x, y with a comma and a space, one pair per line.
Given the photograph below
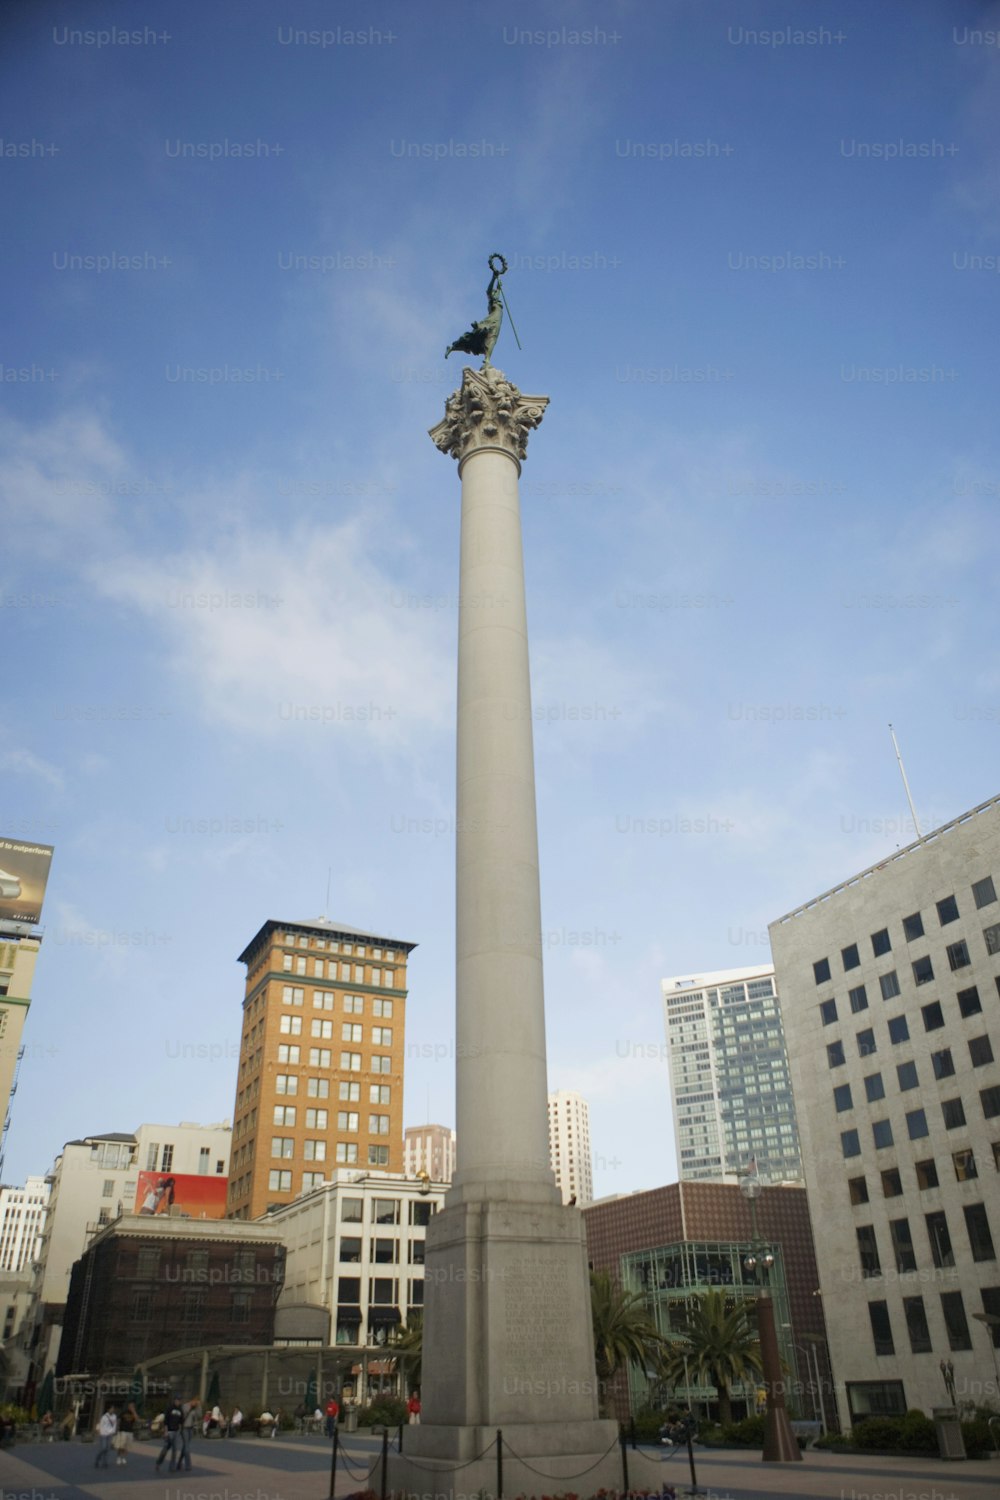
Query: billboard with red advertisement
181, 1195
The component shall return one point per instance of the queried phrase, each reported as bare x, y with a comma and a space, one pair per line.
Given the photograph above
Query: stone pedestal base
538, 1459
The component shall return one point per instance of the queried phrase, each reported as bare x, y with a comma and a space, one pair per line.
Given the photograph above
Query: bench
809, 1430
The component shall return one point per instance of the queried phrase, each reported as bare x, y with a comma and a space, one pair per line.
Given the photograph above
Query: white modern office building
889, 986
569, 1146
22, 1223
731, 1092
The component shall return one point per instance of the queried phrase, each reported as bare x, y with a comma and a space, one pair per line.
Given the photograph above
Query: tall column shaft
500, 1012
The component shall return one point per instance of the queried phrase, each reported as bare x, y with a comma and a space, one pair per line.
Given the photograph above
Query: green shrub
387, 1411
831, 1440
877, 1433
648, 1422
978, 1438
749, 1433
917, 1433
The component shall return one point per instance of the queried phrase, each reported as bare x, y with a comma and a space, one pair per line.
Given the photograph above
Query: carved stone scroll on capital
487, 412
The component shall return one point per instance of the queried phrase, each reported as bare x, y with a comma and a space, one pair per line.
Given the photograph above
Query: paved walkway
299, 1469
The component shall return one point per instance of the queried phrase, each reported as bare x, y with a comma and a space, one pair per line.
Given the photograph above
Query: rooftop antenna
906, 784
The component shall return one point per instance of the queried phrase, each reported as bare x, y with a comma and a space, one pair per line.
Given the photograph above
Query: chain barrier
588, 1470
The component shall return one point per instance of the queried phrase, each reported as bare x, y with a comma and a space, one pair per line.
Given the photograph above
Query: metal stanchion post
400, 1437
385, 1462
333, 1463
622, 1445
499, 1463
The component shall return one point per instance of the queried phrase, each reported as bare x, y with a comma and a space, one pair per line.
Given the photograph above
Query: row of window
320, 1057
192, 1306
953, 1113
939, 1241
953, 1313
984, 894
969, 1002
279, 1179
350, 1031
899, 1031
332, 945
352, 1005
345, 973
381, 1251
942, 1064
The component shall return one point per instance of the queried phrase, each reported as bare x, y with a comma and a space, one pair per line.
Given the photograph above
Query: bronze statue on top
482, 336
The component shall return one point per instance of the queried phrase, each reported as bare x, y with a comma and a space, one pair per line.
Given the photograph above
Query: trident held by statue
482, 336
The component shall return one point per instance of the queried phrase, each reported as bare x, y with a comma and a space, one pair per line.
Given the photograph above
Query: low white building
355, 1248
22, 1223
430, 1149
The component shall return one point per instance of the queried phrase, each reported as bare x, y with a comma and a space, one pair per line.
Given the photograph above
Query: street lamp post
808, 1351
992, 1321
780, 1445
813, 1341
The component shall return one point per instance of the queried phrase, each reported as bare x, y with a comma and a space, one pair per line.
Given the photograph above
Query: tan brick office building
320, 1080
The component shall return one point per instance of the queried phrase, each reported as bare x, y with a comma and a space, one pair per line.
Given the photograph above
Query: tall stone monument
507, 1323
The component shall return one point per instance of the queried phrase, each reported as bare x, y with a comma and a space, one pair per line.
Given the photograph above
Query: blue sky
753, 253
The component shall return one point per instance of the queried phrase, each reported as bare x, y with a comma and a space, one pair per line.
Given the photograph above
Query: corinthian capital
488, 412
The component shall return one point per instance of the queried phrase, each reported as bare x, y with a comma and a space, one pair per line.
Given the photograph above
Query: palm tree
623, 1334
716, 1344
409, 1345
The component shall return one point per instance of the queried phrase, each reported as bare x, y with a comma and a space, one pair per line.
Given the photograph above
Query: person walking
122, 1441
106, 1429
413, 1407
173, 1421
192, 1409
332, 1413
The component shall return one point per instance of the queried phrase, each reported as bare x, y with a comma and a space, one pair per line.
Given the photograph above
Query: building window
858, 1189
379, 1093
382, 1008
916, 1124
316, 1119
351, 1031
892, 1183
902, 1245
923, 970
384, 1252
927, 1176
964, 1162
385, 1211
323, 1029
992, 936
284, 1114
203, 1156
899, 1031
955, 1321
958, 955
850, 1145
842, 1098
954, 1113
381, 1064
889, 985
835, 1054
167, 1160
947, 910
983, 892
858, 998
381, 1036
142, 1305
286, 1083
239, 1307
878, 1312
978, 1229
347, 1153
282, 1145
874, 1087
352, 1210
916, 1325
349, 1093
314, 1151
378, 1156
969, 1002
378, 1124
348, 1120
990, 1100
882, 1134
287, 1054
421, 1213
943, 1063
109, 1187
350, 1062
906, 1073
821, 969
850, 957
913, 927
868, 1250
192, 1305
933, 1016
980, 1051
828, 1012
350, 1251
881, 943
866, 1042
940, 1240
148, 1264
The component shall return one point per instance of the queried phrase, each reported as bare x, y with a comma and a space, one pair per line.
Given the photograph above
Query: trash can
349, 1421
949, 1432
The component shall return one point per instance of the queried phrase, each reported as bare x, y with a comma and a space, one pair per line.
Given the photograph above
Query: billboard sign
24, 871
181, 1195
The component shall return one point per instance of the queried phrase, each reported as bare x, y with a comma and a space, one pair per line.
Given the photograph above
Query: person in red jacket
413, 1407
332, 1413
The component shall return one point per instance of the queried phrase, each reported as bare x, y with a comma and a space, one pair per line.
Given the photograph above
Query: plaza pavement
299, 1469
